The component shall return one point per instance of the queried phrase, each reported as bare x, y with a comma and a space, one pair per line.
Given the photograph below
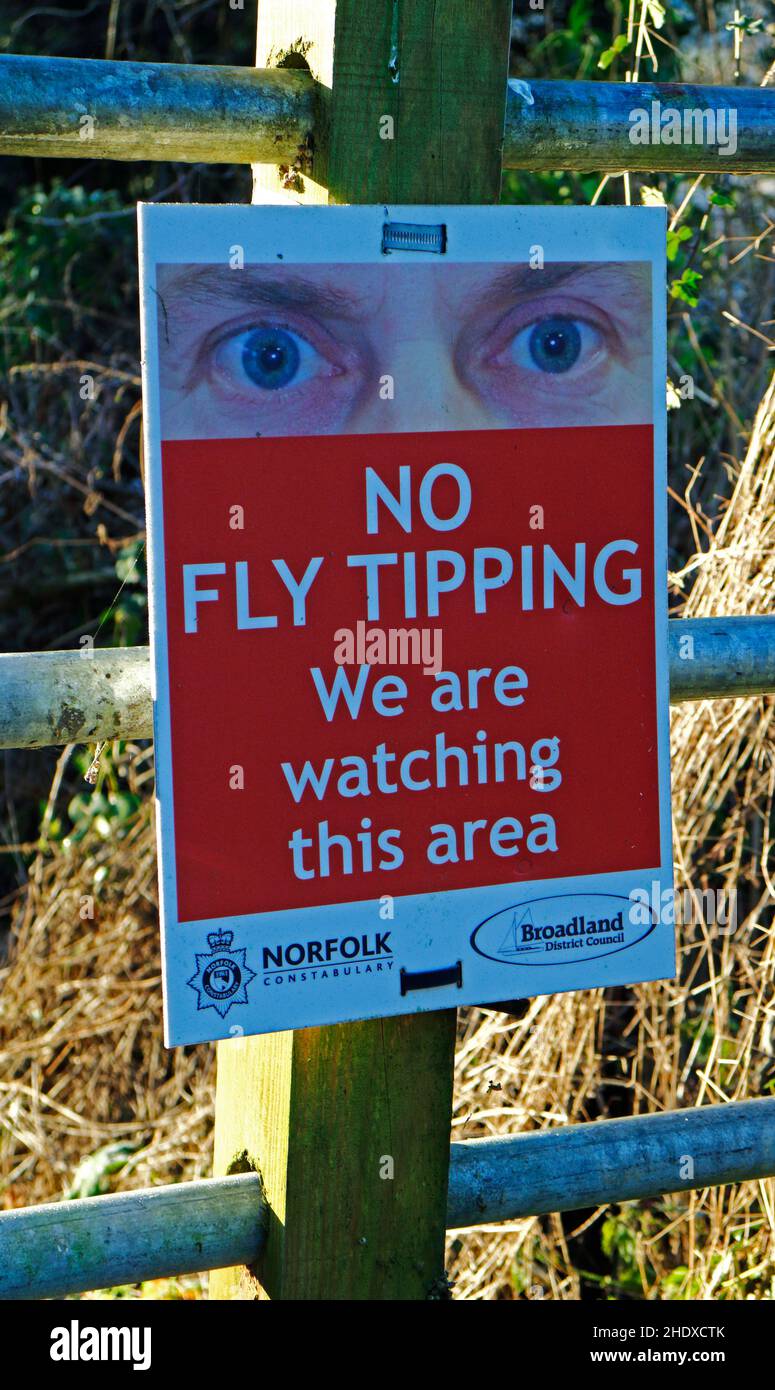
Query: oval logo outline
562, 897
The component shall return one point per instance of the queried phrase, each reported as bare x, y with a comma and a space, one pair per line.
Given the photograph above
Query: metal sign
406, 473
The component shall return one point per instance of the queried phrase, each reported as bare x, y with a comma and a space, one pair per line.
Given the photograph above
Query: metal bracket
414, 236
432, 979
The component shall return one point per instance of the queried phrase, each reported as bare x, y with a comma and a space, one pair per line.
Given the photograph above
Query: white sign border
271, 234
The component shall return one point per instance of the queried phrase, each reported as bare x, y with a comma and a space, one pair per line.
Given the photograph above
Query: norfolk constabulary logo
222, 977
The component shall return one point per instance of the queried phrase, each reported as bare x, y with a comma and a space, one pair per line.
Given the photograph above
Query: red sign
533, 666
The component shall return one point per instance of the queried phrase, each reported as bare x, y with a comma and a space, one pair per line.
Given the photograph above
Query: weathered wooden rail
100, 1242
228, 115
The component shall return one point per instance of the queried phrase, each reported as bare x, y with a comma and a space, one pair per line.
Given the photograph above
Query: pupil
555, 344
270, 358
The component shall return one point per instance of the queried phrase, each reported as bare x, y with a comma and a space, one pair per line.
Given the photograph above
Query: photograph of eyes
364, 349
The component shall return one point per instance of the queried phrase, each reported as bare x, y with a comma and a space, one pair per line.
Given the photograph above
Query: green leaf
686, 288
125, 804
618, 46
722, 200
579, 18
85, 805
674, 240
92, 1176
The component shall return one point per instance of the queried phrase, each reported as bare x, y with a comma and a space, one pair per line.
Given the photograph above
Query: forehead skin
401, 296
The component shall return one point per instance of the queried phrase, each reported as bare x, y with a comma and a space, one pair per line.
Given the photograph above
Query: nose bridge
419, 389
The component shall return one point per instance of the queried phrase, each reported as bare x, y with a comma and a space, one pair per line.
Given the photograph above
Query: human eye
556, 344
552, 338
265, 374
267, 357
558, 358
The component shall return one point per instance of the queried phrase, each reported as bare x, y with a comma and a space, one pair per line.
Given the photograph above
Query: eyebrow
515, 281
250, 286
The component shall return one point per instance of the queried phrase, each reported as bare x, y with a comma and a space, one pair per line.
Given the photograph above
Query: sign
406, 474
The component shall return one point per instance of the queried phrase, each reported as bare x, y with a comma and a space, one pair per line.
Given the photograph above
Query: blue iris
270, 357
555, 344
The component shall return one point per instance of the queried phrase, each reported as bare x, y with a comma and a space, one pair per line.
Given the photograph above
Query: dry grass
82, 1063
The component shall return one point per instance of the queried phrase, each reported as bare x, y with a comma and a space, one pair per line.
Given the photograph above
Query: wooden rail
587, 126
234, 115
51, 698
99, 1242
169, 111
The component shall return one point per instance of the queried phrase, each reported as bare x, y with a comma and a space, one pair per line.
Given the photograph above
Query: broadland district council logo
222, 977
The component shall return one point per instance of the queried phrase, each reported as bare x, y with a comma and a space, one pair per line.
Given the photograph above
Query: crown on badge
220, 940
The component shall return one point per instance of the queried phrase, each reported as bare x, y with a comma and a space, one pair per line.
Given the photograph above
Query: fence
100, 1241
297, 1151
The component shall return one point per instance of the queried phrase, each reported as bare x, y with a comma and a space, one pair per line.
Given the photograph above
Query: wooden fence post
349, 1126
